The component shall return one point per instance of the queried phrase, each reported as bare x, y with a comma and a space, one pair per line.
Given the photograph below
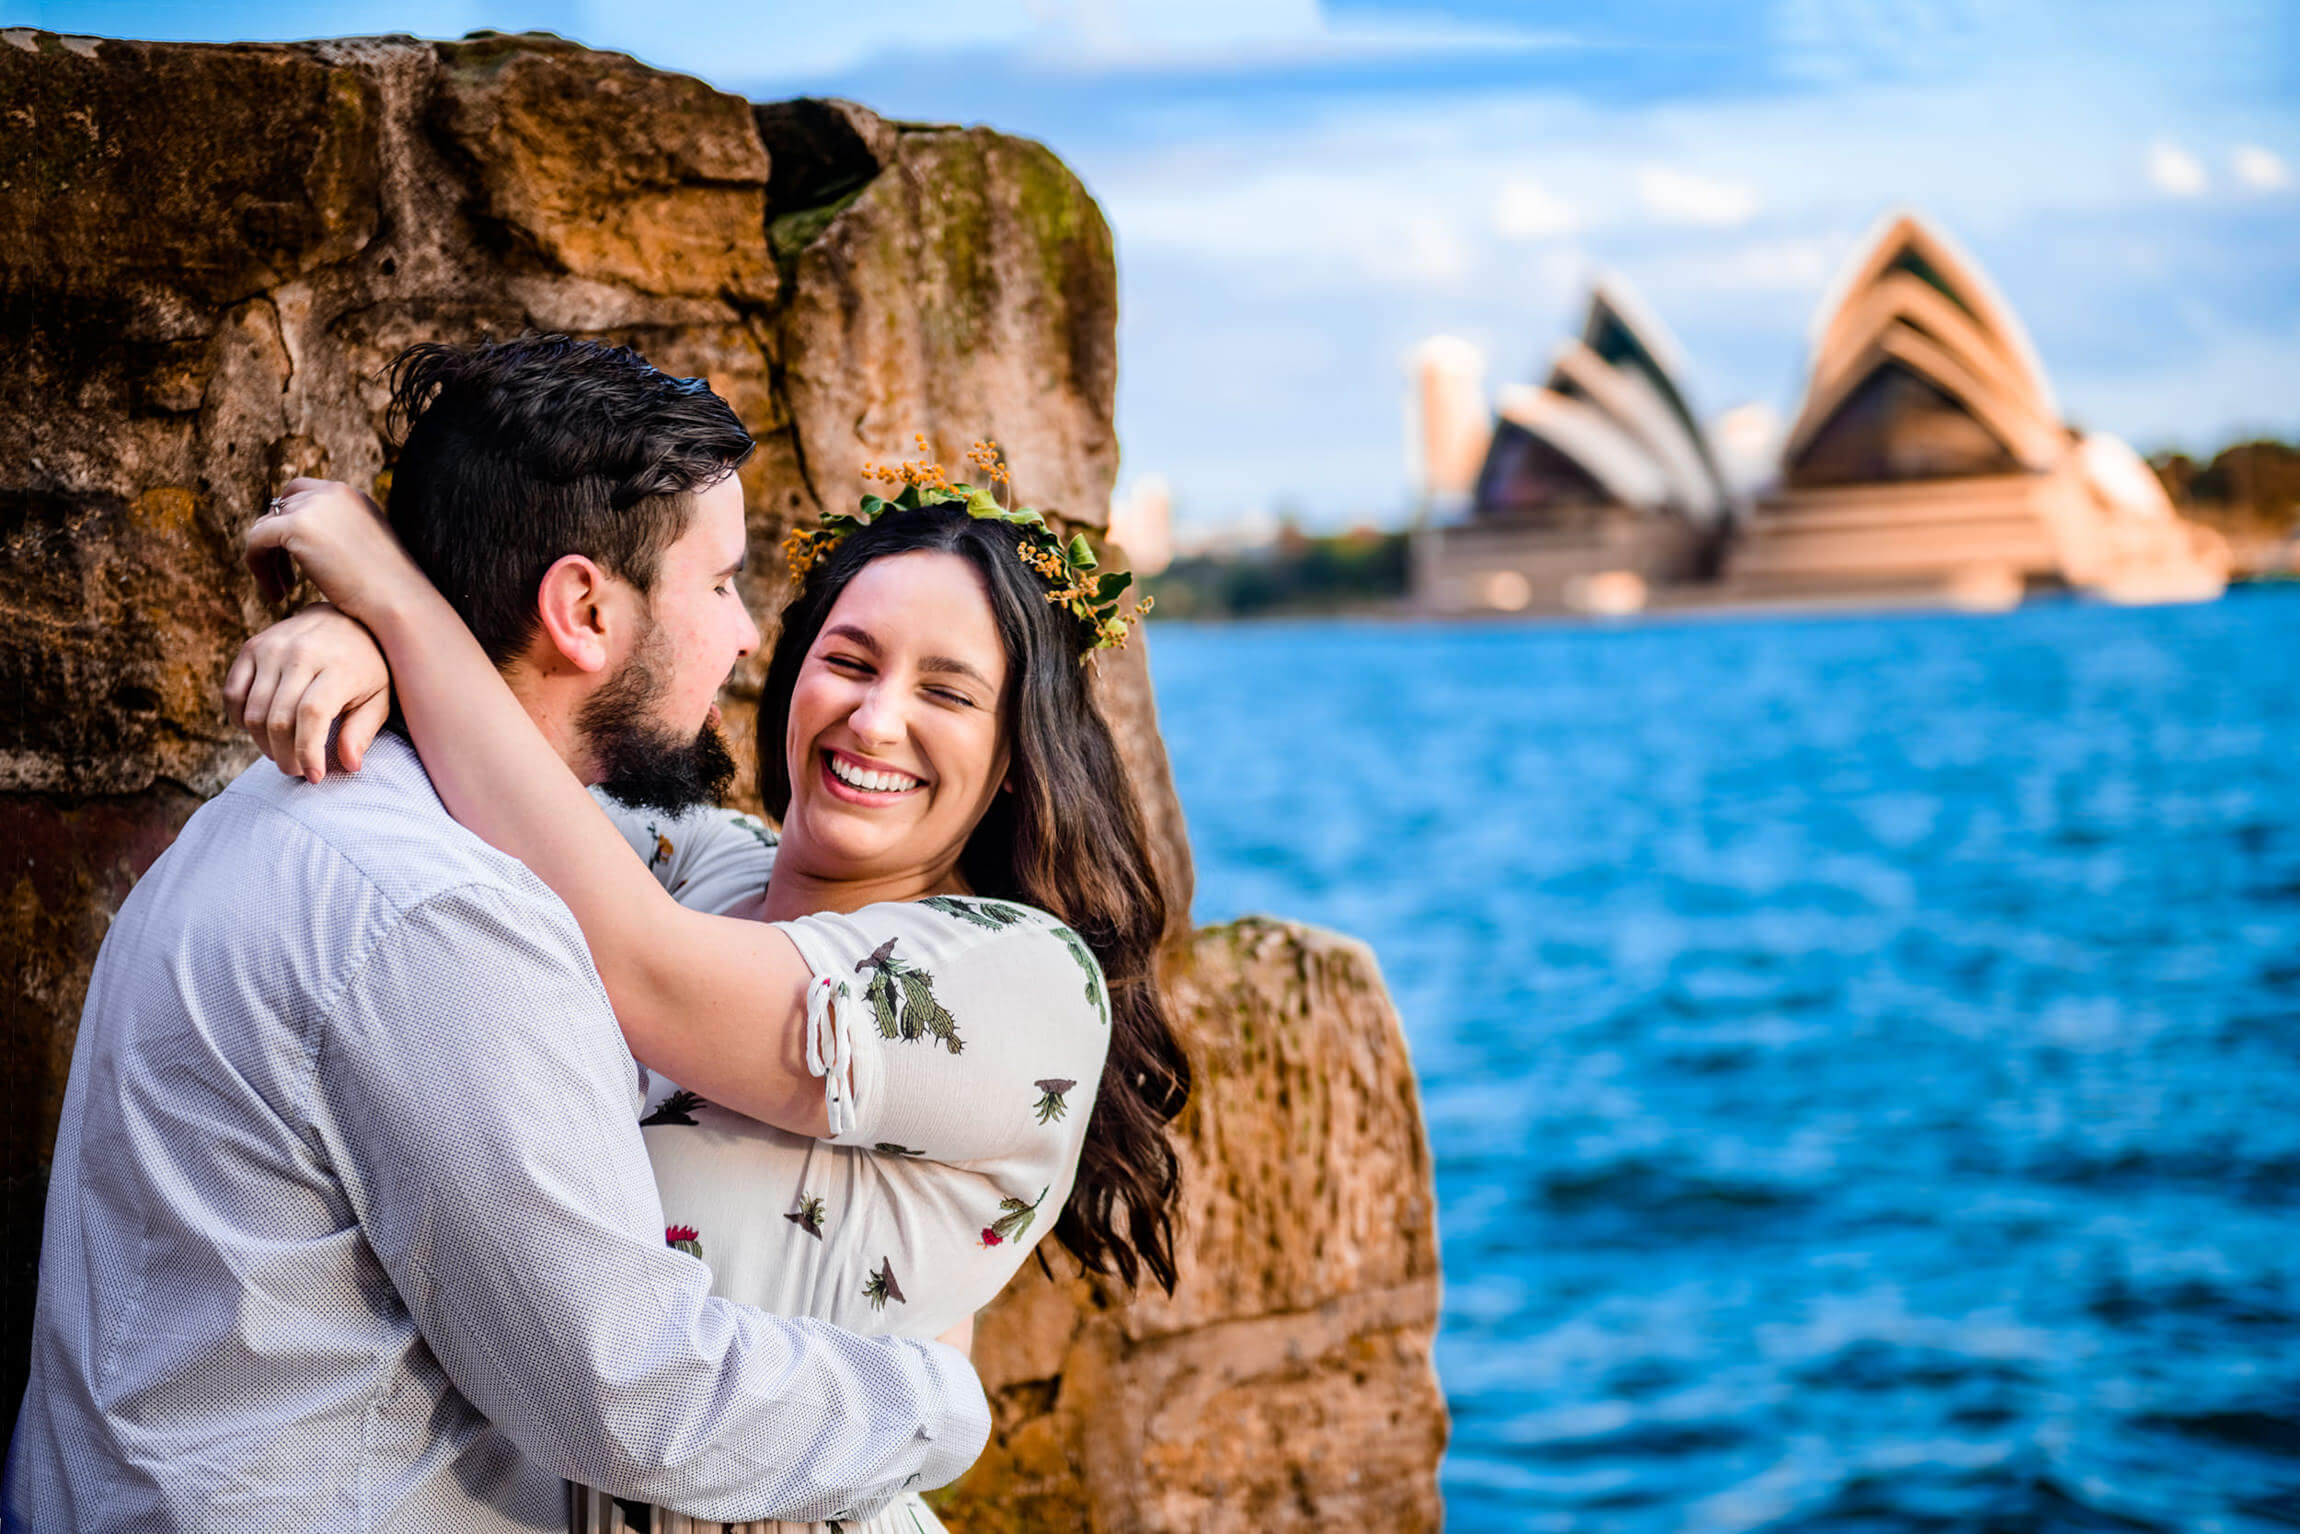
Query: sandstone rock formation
211, 251
1298, 1336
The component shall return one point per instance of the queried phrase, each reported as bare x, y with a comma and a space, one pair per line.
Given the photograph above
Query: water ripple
1859, 1054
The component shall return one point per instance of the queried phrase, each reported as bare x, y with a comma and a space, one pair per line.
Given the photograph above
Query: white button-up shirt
351, 1225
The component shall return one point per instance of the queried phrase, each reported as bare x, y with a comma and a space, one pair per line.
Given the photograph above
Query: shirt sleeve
709, 859
476, 1101
976, 1030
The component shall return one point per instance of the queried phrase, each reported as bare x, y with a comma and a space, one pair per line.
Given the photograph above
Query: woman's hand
340, 540
291, 682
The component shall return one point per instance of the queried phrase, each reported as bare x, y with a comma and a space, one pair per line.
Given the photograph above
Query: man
350, 1224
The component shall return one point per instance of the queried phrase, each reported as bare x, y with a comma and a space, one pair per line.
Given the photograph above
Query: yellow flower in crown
1069, 569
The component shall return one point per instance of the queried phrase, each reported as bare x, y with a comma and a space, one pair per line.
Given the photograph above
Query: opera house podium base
1965, 541
1976, 542
1604, 566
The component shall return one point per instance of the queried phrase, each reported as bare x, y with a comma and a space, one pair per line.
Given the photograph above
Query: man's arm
478, 1104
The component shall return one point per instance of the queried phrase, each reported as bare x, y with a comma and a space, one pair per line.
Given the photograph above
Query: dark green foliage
1296, 575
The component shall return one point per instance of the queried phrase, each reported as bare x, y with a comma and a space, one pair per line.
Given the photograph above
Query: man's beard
640, 762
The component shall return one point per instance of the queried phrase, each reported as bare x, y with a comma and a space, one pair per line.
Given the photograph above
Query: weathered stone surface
967, 291
213, 252
1287, 1382
131, 173
609, 169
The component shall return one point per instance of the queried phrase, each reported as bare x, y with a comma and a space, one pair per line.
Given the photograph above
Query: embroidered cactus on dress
998, 915
901, 997
993, 915
808, 1216
1014, 1217
684, 1238
880, 1287
1087, 967
678, 1108
1050, 1103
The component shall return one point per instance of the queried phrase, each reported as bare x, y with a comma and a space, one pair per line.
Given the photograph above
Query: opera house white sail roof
1608, 427
1928, 454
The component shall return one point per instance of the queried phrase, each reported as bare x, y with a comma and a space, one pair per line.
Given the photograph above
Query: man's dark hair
515, 454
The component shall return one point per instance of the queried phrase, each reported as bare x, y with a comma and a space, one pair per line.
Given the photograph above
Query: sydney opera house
1926, 462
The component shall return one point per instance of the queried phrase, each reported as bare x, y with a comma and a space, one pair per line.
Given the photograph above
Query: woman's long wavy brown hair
1070, 839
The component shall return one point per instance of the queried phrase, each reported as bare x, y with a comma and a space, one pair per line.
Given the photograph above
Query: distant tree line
2250, 490
1296, 573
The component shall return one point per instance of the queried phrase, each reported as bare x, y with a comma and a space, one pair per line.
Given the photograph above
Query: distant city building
1142, 523
1928, 457
1451, 421
1594, 486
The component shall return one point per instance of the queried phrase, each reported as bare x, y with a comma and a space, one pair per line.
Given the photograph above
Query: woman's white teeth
872, 781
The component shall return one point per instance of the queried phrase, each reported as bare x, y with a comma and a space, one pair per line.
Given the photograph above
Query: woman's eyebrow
953, 666
859, 636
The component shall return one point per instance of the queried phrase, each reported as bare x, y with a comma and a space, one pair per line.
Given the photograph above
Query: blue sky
1303, 192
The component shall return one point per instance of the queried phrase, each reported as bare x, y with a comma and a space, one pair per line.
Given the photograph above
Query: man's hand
290, 683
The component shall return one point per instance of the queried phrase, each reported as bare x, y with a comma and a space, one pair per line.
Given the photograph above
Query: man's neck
554, 705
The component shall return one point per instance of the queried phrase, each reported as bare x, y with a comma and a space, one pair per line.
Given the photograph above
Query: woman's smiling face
897, 732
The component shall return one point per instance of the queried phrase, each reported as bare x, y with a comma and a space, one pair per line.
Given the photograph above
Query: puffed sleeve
709, 859
975, 1028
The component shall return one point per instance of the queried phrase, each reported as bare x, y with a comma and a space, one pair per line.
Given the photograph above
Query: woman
962, 871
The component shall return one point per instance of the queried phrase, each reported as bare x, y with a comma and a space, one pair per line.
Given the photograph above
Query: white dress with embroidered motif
975, 1030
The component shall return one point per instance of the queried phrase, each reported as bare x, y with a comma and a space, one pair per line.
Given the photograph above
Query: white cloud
1281, 224
1679, 197
1524, 209
1789, 264
2175, 172
2259, 169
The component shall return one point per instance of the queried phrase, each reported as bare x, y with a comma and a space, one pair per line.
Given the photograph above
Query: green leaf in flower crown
1081, 552
983, 506
908, 500
871, 506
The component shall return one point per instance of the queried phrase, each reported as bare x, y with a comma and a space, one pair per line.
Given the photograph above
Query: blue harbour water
1862, 1055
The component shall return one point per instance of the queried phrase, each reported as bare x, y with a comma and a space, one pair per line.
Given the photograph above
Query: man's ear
580, 608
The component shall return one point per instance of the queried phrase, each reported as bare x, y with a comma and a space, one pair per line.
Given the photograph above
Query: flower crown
1067, 568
